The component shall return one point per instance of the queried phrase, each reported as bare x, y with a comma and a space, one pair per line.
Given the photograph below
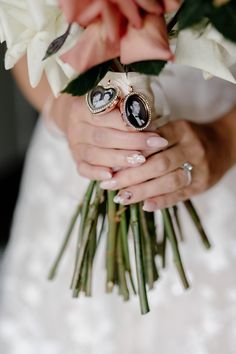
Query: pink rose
133, 30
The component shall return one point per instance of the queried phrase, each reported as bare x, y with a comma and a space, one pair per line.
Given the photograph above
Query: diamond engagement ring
188, 167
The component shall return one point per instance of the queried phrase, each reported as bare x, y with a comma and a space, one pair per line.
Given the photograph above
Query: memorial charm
103, 99
136, 111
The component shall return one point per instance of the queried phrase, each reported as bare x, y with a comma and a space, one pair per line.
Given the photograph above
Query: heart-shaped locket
102, 99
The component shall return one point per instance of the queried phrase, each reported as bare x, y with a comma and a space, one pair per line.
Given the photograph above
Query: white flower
29, 26
208, 51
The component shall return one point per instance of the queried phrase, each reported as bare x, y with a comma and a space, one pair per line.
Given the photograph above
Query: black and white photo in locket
136, 112
101, 97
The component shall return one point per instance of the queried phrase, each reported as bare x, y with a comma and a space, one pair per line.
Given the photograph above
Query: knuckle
201, 152
74, 132
99, 136
175, 181
163, 164
87, 153
184, 125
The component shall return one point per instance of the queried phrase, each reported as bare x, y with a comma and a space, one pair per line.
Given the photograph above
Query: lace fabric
40, 317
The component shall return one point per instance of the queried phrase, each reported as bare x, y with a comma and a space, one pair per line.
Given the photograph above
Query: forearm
36, 96
41, 97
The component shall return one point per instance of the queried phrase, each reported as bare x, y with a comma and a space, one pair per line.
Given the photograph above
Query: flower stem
150, 260
84, 212
91, 216
111, 242
177, 221
139, 259
164, 244
125, 247
175, 248
91, 253
196, 219
121, 269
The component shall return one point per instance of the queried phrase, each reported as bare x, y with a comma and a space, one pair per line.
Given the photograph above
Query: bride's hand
102, 144
161, 182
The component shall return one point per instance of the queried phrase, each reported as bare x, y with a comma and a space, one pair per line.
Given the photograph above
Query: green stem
111, 242
83, 220
91, 216
125, 247
177, 221
92, 246
164, 244
175, 248
139, 260
65, 243
121, 269
150, 261
196, 220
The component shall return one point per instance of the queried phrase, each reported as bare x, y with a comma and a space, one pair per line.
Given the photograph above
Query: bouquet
96, 48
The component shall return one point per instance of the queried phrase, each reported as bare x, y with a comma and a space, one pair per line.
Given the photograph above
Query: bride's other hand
162, 182
102, 144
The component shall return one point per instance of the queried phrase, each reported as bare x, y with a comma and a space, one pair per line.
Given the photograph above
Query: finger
163, 185
167, 200
169, 132
173, 131
111, 119
94, 172
84, 133
157, 165
107, 157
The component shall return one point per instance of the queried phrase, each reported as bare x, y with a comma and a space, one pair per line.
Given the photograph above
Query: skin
101, 145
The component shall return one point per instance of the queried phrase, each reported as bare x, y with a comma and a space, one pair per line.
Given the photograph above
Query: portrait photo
99, 98
136, 111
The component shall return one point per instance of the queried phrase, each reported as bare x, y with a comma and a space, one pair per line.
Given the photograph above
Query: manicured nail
122, 197
157, 142
135, 159
149, 206
108, 184
105, 175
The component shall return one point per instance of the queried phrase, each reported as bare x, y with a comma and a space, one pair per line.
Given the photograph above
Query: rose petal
92, 49
90, 13
131, 11
112, 18
151, 6
148, 43
72, 8
171, 5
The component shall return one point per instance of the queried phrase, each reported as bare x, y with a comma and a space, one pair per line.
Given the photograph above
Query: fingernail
135, 159
157, 142
106, 175
149, 206
122, 197
108, 184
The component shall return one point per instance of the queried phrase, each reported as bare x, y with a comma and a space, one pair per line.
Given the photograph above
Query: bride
38, 317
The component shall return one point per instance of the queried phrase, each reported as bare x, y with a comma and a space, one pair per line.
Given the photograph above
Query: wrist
57, 111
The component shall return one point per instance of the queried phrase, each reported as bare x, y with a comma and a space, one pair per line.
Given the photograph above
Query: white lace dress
40, 317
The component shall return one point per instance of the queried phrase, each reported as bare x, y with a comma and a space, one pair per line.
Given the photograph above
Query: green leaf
192, 12
224, 20
148, 67
88, 80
